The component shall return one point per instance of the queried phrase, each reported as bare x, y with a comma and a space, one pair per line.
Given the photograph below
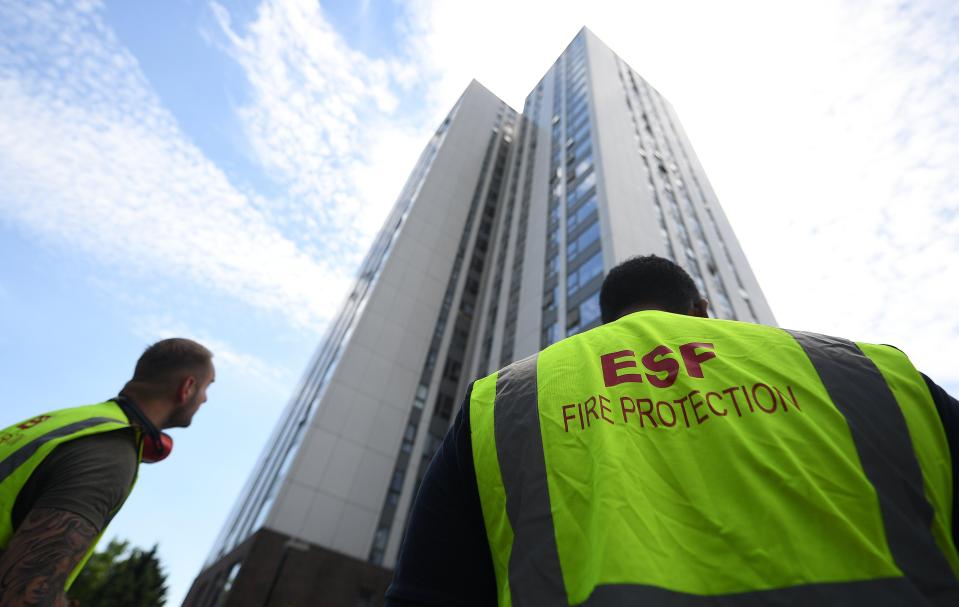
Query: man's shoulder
114, 448
87, 475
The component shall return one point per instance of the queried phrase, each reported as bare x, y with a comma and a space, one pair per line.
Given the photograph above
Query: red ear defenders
157, 450
157, 445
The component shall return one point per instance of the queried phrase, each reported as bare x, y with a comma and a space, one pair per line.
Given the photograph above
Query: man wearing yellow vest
65, 474
665, 458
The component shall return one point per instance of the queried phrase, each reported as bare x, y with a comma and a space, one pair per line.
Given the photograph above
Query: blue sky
217, 170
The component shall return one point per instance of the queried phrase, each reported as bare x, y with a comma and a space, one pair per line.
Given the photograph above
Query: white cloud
90, 159
321, 119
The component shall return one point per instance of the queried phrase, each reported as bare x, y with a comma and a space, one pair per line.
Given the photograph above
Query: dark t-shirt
445, 557
89, 476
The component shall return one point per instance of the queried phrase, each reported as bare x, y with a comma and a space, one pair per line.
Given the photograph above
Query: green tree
109, 580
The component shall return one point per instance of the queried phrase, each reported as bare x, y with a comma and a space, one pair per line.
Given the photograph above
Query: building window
552, 266
583, 315
584, 186
582, 132
590, 268
581, 111
550, 334
581, 148
396, 484
552, 239
572, 321
582, 242
577, 126
583, 212
577, 104
550, 298
584, 165
589, 309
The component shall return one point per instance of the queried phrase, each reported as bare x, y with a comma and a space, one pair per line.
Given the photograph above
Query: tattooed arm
40, 557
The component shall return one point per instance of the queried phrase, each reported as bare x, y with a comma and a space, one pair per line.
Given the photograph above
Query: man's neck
152, 409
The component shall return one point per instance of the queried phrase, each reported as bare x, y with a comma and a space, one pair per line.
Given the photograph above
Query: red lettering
701, 407
669, 366
590, 409
692, 360
615, 361
697, 404
33, 422
792, 397
603, 409
632, 409
566, 418
659, 411
645, 412
710, 404
748, 402
682, 407
759, 403
732, 394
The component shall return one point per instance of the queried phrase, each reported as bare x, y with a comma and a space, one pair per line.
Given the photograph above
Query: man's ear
185, 390
700, 309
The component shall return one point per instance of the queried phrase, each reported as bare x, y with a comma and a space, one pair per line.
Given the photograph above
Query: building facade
495, 249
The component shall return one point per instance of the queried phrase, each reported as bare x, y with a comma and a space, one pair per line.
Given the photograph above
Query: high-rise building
495, 248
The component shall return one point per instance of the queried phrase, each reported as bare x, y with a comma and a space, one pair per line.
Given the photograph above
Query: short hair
168, 360
647, 281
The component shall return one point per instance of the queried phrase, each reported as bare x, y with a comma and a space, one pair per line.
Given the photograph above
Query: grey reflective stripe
535, 576
888, 592
885, 450
21, 455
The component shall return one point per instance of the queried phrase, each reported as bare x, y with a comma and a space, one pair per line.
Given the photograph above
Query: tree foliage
119, 576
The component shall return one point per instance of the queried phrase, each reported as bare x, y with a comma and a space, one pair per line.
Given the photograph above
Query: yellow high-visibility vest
667, 459
24, 446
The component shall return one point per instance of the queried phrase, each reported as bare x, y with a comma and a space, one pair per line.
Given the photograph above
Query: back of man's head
164, 364
648, 283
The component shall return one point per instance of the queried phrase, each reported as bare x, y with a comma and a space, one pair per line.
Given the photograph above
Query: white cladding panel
347, 458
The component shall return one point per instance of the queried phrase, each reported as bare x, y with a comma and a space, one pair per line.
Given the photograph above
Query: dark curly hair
647, 281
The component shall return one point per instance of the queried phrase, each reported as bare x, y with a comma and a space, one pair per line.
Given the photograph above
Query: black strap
135, 415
